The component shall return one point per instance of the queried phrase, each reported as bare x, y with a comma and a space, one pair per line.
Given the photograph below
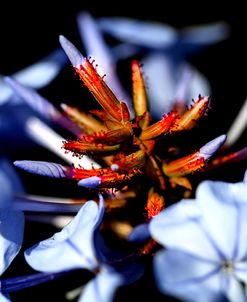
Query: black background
29, 31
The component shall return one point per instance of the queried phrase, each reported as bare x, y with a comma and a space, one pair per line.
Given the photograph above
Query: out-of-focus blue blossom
14, 112
205, 244
11, 221
76, 247
164, 51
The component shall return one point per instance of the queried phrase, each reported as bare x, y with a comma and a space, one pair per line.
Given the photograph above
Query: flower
76, 247
205, 244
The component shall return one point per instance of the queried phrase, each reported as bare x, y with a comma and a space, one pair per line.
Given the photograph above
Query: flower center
227, 267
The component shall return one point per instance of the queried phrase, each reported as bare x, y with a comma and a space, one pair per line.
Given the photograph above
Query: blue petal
179, 227
228, 202
211, 147
73, 247
74, 55
42, 168
11, 235
96, 48
9, 171
102, 288
6, 191
148, 34
37, 75
233, 289
205, 34
139, 233
161, 78
32, 205
187, 277
34, 100
92, 182
3, 298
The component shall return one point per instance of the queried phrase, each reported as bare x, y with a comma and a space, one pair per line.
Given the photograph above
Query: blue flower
75, 247
11, 221
205, 240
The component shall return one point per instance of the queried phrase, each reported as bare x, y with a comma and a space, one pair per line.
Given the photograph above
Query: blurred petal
102, 288
6, 191
198, 85
148, 34
3, 298
178, 227
38, 103
186, 277
161, 83
73, 247
11, 235
7, 169
37, 75
139, 233
97, 49
205, 34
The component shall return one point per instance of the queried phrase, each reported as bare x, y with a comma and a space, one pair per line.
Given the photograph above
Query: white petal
11, 235
102, 288
73, 247
178, 227
3, 298
186, 277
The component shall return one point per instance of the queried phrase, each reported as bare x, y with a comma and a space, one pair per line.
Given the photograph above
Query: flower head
205, 241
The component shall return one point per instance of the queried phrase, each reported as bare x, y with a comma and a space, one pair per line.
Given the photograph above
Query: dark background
29, 32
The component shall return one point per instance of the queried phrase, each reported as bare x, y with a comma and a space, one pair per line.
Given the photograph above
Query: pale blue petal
2, 297
212, 146
6, 194
34, 100
186, 277
37, 75
198, 84
42, 73
102, 288
179, 227
139, 233
29, 205
161, 83
73, 247
42, 168
92, 182
228, 202
148, 34
74, 55
205, 34
9, 171
97, 49
233, 289
245, 177
11, 235
240, 271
